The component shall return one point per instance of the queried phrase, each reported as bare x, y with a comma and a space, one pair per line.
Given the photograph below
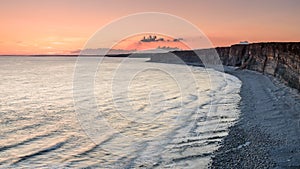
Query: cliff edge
280, 59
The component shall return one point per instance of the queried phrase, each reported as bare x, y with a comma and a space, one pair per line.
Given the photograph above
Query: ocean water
128, 113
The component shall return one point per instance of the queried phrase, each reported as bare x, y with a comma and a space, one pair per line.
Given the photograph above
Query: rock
279, 59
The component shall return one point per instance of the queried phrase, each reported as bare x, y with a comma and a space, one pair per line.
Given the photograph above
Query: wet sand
267, 135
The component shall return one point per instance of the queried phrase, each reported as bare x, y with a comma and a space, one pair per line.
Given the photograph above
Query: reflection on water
150, 119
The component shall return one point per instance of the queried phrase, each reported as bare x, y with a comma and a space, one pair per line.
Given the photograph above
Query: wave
41, 152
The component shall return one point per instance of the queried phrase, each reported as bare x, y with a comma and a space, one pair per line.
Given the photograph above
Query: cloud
168, 48
152, 39
177, 39
100, 51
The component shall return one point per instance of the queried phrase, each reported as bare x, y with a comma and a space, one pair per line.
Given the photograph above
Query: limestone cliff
280, 59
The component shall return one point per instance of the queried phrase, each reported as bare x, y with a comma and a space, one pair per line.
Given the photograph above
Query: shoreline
267, 134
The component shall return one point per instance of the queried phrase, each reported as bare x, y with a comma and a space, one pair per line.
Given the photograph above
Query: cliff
280, 59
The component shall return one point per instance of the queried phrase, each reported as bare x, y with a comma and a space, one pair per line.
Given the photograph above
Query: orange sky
64, 26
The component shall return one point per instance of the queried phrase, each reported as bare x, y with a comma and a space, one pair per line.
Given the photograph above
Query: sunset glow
62, 27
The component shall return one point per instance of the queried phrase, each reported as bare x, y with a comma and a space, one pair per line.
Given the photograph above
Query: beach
267, 134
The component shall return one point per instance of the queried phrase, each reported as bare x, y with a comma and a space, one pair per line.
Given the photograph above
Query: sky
65, 26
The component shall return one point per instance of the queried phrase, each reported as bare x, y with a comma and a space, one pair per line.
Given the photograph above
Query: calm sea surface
132, 114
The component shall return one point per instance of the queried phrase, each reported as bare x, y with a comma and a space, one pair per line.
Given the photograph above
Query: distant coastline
279, 59
39, 55
110, 55
142, 53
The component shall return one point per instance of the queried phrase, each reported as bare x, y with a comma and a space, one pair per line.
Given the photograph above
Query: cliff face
281, 60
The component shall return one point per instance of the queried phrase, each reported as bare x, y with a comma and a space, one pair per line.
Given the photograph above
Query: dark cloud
177, 39
152, 39
100, 51
168, 48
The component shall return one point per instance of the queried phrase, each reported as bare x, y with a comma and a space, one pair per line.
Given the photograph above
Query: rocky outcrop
280, 59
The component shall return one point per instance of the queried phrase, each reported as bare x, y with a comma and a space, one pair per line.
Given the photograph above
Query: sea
106, 112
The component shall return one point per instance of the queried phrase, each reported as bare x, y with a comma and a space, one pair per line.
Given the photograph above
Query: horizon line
76, 55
